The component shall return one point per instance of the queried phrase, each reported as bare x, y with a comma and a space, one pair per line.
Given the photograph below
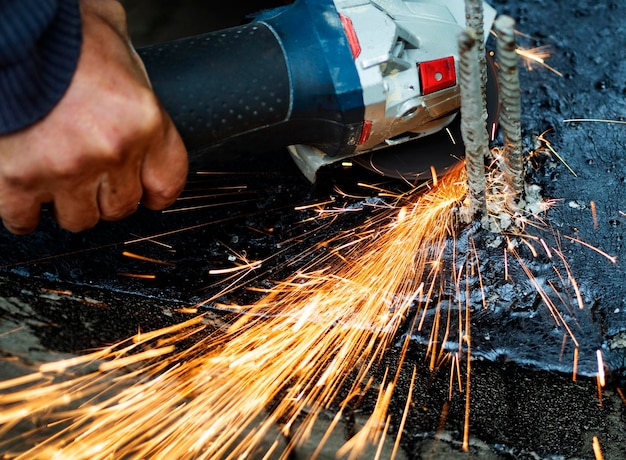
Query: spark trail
312, 344
312, 336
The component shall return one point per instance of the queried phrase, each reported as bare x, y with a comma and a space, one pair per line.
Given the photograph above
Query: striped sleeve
39, 47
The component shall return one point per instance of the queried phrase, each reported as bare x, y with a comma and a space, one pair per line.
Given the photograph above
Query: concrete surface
519, 409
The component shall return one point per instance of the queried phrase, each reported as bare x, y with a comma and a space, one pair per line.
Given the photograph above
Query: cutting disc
413, 160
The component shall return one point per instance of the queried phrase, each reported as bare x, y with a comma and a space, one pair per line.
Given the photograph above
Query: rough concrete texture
524, 403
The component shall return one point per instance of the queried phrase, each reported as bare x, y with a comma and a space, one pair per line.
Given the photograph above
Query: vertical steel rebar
510, 108
474, 19
473, 127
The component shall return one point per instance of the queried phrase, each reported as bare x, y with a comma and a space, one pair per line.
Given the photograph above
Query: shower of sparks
309, 346
536, 56
298, 347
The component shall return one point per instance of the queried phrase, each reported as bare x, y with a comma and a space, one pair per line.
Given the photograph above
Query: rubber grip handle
222, 86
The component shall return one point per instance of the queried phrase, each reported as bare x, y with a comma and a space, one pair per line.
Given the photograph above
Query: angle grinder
370, 80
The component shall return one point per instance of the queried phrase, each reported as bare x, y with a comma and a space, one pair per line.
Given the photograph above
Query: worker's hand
105, 147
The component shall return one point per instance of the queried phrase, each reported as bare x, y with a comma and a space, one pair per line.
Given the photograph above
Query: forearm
39, 48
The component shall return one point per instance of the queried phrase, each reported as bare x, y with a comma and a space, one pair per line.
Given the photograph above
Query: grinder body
328, 79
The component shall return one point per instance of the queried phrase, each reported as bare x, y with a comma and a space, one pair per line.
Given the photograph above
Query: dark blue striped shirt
39, 47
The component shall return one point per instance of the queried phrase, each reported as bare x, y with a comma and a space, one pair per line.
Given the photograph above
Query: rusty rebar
510, 108
473, 127
474, 19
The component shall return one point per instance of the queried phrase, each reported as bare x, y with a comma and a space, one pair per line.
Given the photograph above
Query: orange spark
594, 120
601, 378
575, 365
611, 258
301, 342
537, 55
594, 214
146, 259
143, 276
597, 449
248, 266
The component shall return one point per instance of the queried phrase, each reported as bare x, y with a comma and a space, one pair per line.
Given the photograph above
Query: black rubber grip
222, 85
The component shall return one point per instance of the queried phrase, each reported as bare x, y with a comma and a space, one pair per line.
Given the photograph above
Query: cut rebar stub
473, 128
510, 109
475, 20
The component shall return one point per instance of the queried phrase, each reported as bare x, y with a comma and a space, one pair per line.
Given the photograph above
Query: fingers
20, 213
119, 195
164, 170
76, 209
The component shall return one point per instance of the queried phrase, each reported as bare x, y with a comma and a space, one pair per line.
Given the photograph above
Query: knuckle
75, 215
106, 148
150, 117
78, 224
66, 167
15, 175
121, 209
162, 195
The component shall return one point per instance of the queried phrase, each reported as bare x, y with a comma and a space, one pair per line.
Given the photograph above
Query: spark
205, 206
225, 173
223, 191
158, 243
621, 395
594, 214
597, 449
451, 136
135, 358
188, 310
247, 266
158, 235
282, 344
132, 255
314, 205
405, 413
601, 378
542, 139
594, 120
611, 258
142, 276
537, 55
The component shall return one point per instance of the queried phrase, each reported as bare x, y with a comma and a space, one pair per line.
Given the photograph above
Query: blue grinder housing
326, 79
288, 77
